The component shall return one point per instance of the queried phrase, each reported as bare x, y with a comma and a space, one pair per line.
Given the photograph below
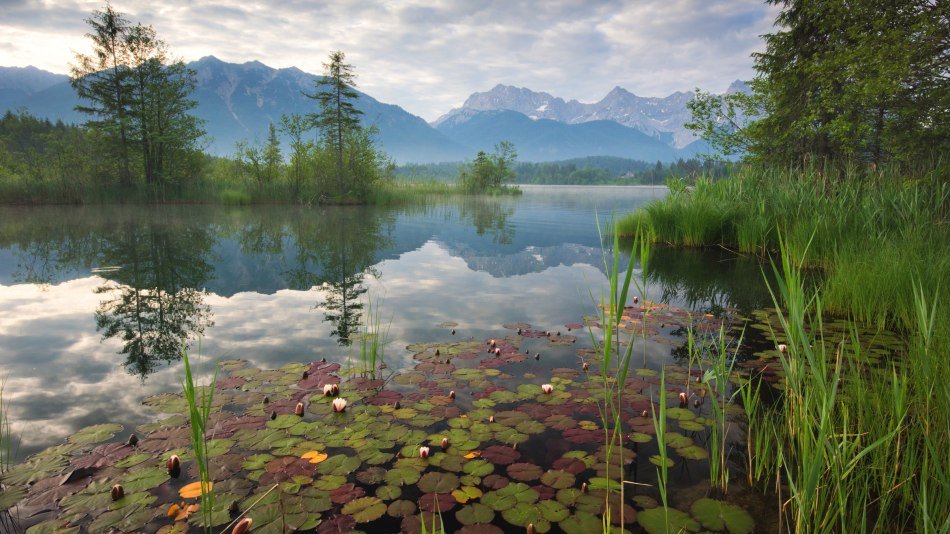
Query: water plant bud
530, 529
497, 351
584, 487
519, 331
537, 356
697, 379
243, 526
173, 465
445, 443
696, 403
339, 404
453, 331
452, 394
133, 440
323, 360
331, 390
396, 405
117, 492
234, 509
492, 343
299, 409
273, 415
437, 353
586, 366
683, 399
783, 348
643, 413
636, 299
491, 418
306, 375
423, 452
265, 400
547, 388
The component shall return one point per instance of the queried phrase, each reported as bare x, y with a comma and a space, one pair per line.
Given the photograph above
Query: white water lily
339, 404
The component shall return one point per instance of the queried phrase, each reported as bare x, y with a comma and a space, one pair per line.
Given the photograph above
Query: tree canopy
841, 82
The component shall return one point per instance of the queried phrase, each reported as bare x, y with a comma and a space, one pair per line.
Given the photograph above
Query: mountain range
238, 101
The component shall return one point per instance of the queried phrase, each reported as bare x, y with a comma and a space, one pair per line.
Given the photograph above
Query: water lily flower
173, 465
586, 366
547, 388
497, 351
339, 404
117, 492
331, 390
423, 452
445, 443
491, 418
452, 394
491, 342
683, 399
242, 526
783, 348
298, 410
636, 299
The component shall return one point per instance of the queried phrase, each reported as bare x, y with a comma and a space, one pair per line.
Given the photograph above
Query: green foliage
199, 412
138, 101
840, 82
866, 231
489, 171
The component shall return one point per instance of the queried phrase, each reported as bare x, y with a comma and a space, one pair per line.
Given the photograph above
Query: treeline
593, 170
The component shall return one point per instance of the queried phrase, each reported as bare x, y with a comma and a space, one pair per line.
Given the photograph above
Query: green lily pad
365, 509
524, 471
10, 496
718, 516
402, 476
478, 468
401, 508
523, 514
693, 452
95, 434
581, 523
557, 479
662, 521
510, 495
438, 482
388, 493
474, 513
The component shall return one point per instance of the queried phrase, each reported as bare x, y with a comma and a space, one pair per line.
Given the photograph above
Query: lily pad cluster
500, 452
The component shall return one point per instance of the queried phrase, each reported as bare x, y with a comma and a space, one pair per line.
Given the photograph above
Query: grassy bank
873, 235
226, 192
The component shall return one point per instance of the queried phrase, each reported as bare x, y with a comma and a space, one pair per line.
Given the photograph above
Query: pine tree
338, 116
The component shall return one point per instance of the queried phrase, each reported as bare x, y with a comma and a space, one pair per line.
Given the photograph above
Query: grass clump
871, 234
199, 411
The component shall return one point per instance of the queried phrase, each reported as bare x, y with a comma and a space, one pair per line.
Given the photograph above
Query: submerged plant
199, 411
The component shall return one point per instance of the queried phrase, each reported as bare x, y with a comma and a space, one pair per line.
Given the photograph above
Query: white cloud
429, 56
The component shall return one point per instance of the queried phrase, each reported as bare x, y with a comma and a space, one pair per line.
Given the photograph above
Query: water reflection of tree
156, 305
489, 215
335, 251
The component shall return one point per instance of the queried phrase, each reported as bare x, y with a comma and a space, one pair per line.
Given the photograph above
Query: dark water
96, 302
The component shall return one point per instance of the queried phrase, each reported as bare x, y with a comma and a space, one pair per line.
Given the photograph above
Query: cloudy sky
429, 55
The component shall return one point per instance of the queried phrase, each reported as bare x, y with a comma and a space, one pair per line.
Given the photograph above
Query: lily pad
474, 513
438, 482
557, 479
95, 433
718, 516
662, 521
365, 509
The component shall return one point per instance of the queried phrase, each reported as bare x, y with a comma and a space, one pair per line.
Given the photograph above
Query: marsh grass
856, 441
872, 234
7, 449
372, 342
659, 424
199, 411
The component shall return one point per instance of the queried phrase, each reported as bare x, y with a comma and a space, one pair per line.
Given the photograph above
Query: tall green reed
6, 433
614, 356
659, 425
199, 399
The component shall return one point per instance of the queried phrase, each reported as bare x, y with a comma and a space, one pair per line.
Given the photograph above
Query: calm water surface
96, 302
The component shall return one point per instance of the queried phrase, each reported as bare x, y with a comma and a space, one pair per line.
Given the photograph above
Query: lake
97, 301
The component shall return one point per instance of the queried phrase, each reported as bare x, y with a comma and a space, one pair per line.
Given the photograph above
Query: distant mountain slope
238, 101
661, 118
18, 83
549, 140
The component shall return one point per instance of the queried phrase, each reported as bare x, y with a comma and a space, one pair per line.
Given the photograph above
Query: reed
7, 450
199, 412
659, 424
615, 356
871, 234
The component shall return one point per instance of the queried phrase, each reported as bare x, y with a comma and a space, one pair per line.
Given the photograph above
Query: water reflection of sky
268, 274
